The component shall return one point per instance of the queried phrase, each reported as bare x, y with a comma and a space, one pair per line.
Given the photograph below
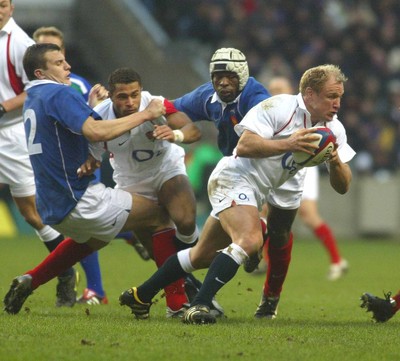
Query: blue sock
91, 266
170, 271
125, 235
222, 269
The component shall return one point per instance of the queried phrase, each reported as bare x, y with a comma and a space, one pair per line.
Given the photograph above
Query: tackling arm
180, 128
97, 131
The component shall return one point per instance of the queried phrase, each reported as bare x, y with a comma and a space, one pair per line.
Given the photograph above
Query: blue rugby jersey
203, 104
53, 117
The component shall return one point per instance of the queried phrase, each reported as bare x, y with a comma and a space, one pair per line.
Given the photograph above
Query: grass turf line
317, 319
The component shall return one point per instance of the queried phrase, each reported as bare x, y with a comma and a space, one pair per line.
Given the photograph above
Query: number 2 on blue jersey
33, 148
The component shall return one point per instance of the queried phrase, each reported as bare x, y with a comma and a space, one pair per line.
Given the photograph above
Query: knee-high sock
278, 265
265, 239
396, 297
91, 266
170, 271
63, 257
221, 271
324, 233
183, 241
52, 244
164, 247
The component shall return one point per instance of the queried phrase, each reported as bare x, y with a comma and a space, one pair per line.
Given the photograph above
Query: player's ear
39, 74
309, 91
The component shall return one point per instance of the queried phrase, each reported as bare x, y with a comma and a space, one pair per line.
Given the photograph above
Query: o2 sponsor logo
142, 155
289, 164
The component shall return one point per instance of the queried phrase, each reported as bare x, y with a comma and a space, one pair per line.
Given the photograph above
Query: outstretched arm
180, 128
97, 131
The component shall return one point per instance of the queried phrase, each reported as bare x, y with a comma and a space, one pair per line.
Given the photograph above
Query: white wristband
178, 136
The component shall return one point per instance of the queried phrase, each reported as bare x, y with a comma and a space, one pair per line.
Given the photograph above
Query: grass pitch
317, 319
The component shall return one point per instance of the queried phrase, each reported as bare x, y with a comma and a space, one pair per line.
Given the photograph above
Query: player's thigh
309, 214
146, 214
15, 166
279, 224
242, 224
212, 239
177, 195
100, 214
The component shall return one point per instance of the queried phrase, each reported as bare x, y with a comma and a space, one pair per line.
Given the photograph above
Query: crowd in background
287, 37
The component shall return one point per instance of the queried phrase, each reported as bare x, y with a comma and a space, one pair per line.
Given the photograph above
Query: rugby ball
326, 143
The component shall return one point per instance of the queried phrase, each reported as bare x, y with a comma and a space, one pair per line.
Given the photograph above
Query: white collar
216, 98
36, 82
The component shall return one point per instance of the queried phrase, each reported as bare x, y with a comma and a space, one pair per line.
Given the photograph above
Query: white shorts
149, 183
100, 213
15, 165
226, 187
288, 195
311, 184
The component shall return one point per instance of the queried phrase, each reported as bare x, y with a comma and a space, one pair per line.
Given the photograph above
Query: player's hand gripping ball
326, 143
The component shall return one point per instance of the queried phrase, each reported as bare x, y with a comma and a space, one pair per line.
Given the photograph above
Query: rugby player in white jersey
15, 166
147, 161
242, 183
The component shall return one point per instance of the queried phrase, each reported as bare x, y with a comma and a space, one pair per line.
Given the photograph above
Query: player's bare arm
97, 131
89, 167
252, 145
97, 94
180, 129
340, 174
15, 102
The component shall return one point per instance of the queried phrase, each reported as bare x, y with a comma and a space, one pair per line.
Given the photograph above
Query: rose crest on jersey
267, 104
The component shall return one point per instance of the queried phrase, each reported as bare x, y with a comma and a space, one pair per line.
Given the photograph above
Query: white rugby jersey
13, 44
135, 153
274, 118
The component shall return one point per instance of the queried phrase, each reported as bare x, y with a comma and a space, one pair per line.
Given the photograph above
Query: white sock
184, 260
47, 234
188, 239
236, 252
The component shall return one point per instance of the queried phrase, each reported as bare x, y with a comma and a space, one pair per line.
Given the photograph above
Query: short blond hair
315, 78
49, 31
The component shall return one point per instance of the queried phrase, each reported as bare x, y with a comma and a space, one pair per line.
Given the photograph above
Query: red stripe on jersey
234, 120
15, 80
279, 130
170, 108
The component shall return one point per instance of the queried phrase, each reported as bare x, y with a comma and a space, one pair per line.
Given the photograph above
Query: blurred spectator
282, 38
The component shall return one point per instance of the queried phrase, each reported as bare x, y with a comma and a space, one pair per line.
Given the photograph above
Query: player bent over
242, 183
149, 162
59, 125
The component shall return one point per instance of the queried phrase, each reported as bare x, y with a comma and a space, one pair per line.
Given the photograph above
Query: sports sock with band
91, 266
170, 271
163, 248
396, 297
125, 235
51, 239
277, 268
183, 242
221, 271
63, 257
324, 233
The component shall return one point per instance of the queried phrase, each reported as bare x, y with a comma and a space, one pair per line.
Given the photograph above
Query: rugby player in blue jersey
59, 126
